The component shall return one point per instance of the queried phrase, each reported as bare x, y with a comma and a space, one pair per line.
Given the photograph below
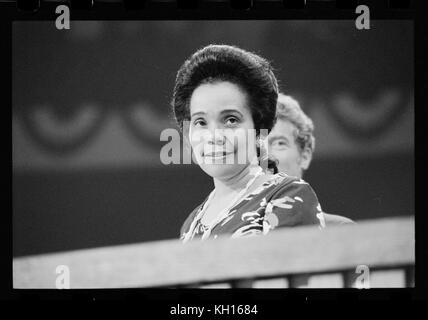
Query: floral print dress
282, 201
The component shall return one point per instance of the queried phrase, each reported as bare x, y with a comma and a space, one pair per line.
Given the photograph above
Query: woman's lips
217, 154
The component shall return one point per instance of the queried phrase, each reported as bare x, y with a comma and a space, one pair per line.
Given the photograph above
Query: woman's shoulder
274, 183
282, 181
186, 224
293, 202
292, 189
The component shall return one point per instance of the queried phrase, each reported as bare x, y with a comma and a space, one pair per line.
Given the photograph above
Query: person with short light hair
292, 143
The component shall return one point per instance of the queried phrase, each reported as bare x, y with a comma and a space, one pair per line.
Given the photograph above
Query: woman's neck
232, 185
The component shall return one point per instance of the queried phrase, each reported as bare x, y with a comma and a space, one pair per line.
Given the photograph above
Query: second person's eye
279, 144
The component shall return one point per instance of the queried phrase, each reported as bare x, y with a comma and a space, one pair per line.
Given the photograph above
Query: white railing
289, 257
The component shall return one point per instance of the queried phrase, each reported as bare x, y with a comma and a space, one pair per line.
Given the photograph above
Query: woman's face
221, 130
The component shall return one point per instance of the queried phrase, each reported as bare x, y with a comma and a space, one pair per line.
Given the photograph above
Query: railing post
242, 283
349, 278
298, 281
410, 276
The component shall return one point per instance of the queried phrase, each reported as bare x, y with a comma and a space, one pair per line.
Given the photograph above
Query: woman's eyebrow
200, 113
230, 111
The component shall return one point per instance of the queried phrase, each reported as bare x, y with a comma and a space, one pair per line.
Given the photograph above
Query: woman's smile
219, 157
220, 154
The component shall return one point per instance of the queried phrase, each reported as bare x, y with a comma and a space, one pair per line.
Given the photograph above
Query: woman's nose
216, 137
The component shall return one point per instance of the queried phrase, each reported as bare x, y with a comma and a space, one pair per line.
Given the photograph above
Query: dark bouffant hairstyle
252, 73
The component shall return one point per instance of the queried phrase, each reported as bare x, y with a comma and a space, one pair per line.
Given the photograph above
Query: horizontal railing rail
289, 253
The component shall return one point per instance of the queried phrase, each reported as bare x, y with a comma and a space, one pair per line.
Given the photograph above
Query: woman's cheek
243, 144
196, 138
251, 144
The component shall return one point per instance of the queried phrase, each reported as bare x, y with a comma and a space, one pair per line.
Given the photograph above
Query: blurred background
89, 105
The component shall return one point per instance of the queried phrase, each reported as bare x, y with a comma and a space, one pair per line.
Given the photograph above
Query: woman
225, 93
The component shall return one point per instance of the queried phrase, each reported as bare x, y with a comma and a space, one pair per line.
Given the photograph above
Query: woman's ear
306, 158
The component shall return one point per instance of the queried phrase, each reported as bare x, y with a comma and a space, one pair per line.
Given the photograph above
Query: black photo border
269, 301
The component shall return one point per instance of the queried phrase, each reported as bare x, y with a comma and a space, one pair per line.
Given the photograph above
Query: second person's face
282, 145
221, 129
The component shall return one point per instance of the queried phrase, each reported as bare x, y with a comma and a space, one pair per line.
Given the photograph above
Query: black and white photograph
265, 153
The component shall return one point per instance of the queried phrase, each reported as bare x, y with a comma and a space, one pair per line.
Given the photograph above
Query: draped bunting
68, 85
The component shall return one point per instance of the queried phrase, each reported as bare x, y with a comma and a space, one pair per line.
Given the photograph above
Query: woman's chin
222, 170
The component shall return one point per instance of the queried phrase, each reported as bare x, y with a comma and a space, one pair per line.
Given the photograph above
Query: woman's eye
198, 122
231, 121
